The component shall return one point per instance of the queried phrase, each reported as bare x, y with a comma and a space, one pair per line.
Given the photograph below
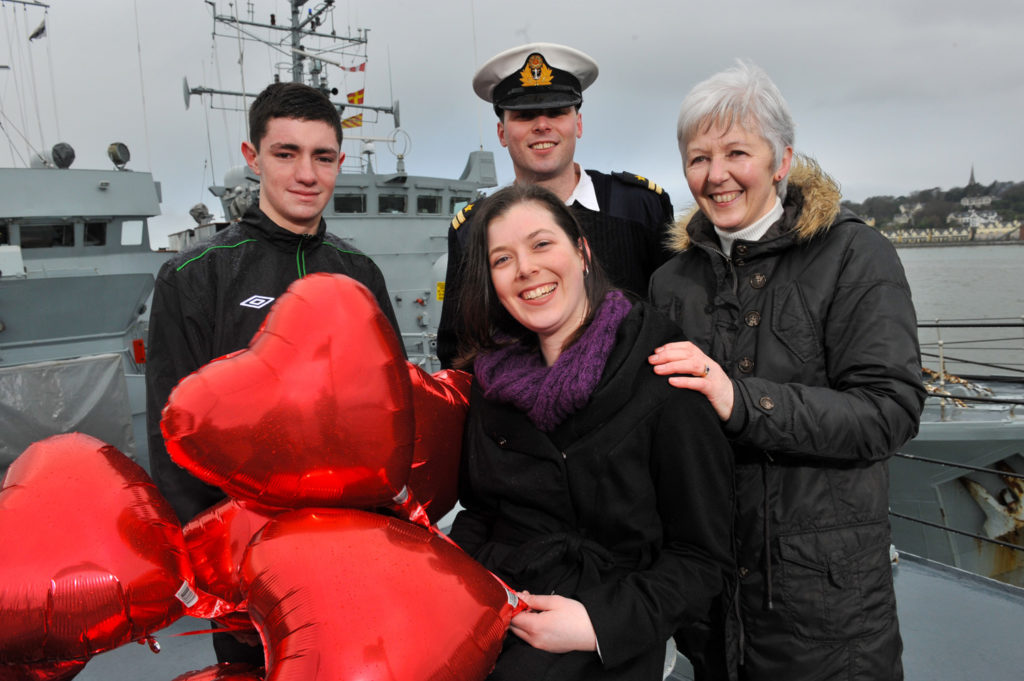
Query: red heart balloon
440, 404
216, 540
93, 557
225, 671
317, 411
346, 594
62, 670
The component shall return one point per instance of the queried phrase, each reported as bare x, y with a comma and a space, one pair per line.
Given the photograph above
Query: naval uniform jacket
210, 301
815, 326
625, 506
627, 236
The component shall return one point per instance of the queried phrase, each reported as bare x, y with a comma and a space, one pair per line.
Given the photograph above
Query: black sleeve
180, 342
448, 327
378, 287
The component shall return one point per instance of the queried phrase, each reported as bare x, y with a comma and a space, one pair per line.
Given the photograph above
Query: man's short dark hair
290, 100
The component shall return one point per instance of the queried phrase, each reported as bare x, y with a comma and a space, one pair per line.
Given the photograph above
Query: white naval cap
535, 76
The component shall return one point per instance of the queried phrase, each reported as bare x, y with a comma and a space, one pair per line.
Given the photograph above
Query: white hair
744, 95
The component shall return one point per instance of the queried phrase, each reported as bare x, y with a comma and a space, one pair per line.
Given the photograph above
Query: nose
525, 267
541, 123
717, 171
304, 172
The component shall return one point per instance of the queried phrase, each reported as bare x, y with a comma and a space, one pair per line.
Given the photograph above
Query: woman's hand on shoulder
555, 624
688, 367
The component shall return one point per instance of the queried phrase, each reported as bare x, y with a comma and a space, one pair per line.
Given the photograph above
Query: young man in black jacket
210, 300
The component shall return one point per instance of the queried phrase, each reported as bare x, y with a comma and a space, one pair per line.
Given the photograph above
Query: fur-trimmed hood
820, 197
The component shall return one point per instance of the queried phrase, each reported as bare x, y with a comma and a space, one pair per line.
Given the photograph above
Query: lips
538, 292
725, 197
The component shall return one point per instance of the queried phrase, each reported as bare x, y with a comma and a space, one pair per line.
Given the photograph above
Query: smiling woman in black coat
589, 484
804, 341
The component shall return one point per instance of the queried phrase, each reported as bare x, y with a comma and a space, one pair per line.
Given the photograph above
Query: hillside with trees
932, 208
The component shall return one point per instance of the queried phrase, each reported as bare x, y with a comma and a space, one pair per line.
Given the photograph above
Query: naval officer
537, 90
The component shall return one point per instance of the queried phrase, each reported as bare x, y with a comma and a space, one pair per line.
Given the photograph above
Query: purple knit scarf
518, 376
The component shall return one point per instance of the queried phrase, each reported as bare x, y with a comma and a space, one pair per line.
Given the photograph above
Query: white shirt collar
584, 192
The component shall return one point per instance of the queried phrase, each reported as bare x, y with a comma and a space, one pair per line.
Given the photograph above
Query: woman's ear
583, 247
784, 165
585, 256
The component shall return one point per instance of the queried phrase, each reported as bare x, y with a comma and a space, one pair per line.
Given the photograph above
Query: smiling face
731, 174
542, 143
537, 274
297, 161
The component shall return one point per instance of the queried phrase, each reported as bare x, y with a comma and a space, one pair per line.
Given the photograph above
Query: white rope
476, 63
53, 80
241, 70
32, 82
142, 87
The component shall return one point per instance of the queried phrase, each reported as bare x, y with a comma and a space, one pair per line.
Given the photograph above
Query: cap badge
536, 72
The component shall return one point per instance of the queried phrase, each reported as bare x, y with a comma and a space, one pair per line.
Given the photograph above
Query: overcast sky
889, 96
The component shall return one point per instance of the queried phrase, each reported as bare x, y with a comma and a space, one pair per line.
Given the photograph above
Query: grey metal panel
51, 193
35, 310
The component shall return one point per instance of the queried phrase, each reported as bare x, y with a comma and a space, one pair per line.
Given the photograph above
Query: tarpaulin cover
86, 394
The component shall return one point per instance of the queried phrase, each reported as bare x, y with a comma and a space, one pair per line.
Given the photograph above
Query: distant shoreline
936, 244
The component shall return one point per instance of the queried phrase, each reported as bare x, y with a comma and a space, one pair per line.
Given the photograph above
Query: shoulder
336, 243
655, 327
633, 180
625, 182
223, 244
630, 195
463, 216
353, 261
862, 253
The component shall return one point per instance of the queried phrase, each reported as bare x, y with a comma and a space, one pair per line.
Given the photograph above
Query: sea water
969, 284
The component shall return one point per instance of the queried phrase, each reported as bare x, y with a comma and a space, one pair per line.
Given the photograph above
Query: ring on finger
707, 370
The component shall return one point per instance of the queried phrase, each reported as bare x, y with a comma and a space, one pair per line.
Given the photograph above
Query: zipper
300, 257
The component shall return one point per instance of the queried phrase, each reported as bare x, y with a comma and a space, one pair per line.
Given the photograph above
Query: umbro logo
256, 302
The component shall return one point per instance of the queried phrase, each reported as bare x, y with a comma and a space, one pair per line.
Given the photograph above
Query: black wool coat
626, 506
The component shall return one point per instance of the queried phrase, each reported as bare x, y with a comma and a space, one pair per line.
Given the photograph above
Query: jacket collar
279, 237
810, 207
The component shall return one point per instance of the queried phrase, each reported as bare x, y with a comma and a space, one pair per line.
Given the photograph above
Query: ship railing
976, 350
1002, 472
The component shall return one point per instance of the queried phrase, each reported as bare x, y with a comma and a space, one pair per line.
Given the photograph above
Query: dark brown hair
290, 100
486, 324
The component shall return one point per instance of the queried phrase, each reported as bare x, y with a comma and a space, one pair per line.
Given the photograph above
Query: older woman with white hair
802, 335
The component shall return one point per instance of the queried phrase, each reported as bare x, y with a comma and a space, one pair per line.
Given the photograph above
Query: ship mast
302, 27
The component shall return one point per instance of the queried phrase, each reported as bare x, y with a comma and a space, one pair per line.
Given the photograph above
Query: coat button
744, 572
766, 403
741, 249
752, 318
740, 262
758, 280
746, 365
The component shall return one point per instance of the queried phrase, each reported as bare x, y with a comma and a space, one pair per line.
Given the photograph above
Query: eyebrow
529, 236
291, 146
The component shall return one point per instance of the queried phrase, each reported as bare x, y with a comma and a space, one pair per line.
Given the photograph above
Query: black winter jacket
210, 301
627, 236
814, 324
626, 506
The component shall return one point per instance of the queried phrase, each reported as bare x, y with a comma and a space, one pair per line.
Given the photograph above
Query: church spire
972, 181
